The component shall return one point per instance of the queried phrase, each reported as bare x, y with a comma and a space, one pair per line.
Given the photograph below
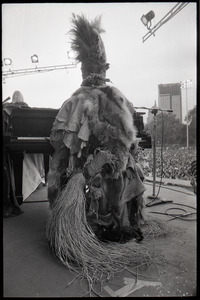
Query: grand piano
28, 130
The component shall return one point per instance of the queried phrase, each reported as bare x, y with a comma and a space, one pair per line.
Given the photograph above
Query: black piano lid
32, 121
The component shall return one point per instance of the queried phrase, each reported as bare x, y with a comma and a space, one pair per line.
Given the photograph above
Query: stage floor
31, 270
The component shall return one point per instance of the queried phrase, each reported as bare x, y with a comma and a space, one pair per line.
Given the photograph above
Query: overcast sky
136, 68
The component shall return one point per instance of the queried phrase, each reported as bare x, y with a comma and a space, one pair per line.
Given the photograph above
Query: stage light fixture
146, 19
7, 61
34, 59
70, 54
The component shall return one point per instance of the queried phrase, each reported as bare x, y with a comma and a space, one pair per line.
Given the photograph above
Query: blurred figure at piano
18, 99
33, 164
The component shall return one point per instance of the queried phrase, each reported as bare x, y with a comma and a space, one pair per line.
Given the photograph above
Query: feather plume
86, 37
88, 45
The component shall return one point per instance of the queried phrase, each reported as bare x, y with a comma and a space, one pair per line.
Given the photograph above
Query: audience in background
176, 162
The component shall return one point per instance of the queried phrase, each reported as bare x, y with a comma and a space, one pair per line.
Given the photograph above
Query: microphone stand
154, 197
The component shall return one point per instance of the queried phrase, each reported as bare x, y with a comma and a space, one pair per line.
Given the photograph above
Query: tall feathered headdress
90, 50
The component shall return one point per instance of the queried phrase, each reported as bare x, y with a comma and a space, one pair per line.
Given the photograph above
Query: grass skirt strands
75, 244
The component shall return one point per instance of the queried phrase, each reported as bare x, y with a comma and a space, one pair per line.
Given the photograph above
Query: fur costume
93, 133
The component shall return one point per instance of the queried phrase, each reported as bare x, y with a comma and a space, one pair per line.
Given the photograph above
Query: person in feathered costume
94, 134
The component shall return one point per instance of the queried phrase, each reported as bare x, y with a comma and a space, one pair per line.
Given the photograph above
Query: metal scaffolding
176, 9
19, 72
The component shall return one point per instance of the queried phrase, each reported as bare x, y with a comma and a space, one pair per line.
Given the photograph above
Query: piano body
28, 130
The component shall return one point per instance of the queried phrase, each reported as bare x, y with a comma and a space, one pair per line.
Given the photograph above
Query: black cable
174, 215
179, 216
184, 205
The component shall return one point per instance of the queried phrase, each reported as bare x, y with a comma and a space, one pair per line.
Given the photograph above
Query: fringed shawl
103, 112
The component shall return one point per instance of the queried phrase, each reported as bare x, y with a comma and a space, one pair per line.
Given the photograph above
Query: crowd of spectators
175, 164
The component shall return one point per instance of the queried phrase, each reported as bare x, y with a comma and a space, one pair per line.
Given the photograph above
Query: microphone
158, 108
153, 108
8, 98
167, 110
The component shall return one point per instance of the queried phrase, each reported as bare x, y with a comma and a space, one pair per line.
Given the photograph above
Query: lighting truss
19, 72
176, 9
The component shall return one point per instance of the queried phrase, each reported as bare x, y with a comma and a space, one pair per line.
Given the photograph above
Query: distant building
169, 97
